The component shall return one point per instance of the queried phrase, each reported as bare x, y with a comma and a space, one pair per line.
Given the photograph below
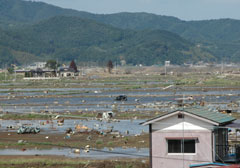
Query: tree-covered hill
66, 38
19, 11
32, 31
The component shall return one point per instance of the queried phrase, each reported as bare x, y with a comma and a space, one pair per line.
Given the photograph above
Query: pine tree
73, 66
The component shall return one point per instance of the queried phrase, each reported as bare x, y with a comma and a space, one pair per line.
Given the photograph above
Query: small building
189, 136
66, 72
37, 65
70, 71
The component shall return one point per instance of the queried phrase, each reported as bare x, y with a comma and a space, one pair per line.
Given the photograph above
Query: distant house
70, 71
37, 65
191, 136
36, 73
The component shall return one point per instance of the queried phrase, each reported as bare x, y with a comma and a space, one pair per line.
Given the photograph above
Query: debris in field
202, 103
76, 150
89, 138
87, 148
168, 87
136, 100
110, 149
81, 128
121, 98
10, 127
28, 130
69, 131
107, 115
20, 141
68, 136
60, 122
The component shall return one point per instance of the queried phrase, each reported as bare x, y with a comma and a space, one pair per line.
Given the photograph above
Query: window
181, 145
180, 115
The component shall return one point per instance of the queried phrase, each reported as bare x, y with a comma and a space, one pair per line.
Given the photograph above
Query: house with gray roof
190, 136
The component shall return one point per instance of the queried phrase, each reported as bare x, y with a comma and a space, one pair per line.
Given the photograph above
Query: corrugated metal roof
210, 115
205, 113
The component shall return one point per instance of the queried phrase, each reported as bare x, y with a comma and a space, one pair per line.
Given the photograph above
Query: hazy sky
183, 9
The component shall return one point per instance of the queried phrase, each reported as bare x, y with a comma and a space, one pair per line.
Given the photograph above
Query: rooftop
211, 115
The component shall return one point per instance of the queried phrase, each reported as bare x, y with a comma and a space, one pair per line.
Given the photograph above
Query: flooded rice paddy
102, 99
104, 153
97, 98
133, 126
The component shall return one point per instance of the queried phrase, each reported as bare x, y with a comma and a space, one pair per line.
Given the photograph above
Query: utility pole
5, 74
15, 74
167, 63
222, 68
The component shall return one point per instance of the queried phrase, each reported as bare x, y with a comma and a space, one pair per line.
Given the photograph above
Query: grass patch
99, 142
25, 116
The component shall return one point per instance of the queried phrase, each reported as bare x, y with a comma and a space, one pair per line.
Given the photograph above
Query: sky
183, 9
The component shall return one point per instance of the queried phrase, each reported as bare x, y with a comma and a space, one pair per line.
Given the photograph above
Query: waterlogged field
80, 101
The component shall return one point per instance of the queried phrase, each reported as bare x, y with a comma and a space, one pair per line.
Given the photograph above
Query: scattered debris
81, 128
76, 151
107, 115
68, 136
87, 148
121, 98
89, 138
168, 87
60, 122
69, 131
10, 127
28, 130
20, 141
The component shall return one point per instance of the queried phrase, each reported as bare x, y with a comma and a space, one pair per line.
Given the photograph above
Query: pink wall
161, 159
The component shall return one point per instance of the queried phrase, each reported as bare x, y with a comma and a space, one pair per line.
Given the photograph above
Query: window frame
182, 140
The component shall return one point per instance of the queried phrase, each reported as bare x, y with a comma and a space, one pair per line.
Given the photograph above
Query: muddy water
101, 99
93, 154
133, 126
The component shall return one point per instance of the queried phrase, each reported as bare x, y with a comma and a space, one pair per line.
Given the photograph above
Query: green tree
11, 70
52, 64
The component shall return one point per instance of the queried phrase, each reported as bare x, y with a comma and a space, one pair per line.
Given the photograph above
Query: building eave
159, 118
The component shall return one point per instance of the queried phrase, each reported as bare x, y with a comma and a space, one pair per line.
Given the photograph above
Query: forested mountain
32, 28
19, 11
68, 38
15, 12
